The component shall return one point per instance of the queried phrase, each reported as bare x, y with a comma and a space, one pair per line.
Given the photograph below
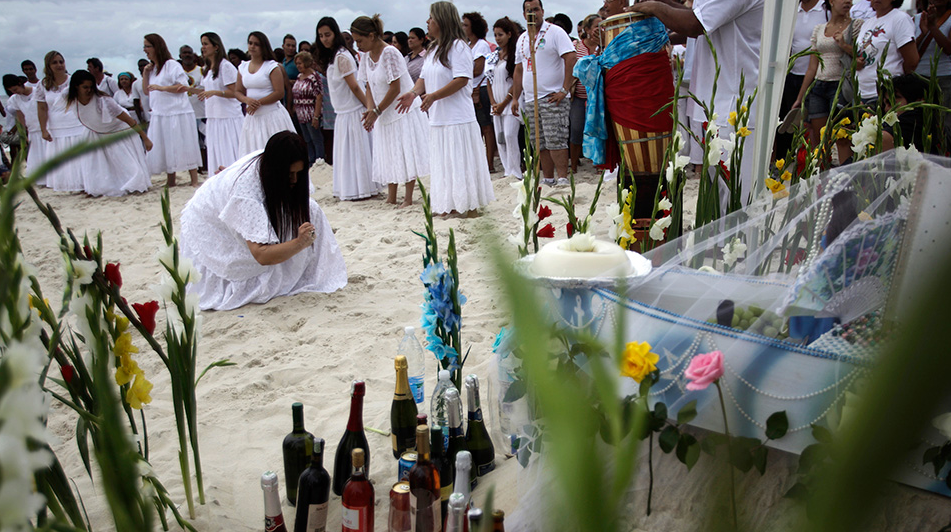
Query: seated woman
254, 233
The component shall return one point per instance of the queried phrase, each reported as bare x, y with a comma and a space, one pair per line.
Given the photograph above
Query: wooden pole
532, 34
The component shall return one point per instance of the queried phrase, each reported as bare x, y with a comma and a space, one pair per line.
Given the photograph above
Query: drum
643, 150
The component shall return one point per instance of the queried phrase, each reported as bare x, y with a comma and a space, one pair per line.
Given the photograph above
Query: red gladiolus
570, 229
800, 159
146, 313
547, 232
113, 275
543, 212
726, 171
67, 372
88, 252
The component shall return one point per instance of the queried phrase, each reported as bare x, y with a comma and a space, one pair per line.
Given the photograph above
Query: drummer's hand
557, 97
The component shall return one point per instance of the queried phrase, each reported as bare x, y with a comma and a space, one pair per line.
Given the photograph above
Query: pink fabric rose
703, 370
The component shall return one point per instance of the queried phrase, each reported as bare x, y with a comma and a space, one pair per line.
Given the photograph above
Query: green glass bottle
298, 446
402, 412
477, 436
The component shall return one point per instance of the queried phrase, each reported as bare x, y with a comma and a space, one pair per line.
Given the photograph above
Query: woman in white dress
500, 67
222, 109
260, 87
352, 158
125, 96
118, 168
59, 127
22, 104
254, 233
460, 178
400, 141
172, 127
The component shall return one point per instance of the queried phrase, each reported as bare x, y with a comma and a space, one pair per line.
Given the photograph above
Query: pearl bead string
923, 472
834, 385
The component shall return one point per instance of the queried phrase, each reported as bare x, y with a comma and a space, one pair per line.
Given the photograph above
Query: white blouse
216, 106
343, 65
169, 103
457, 107
379, 75
61, 122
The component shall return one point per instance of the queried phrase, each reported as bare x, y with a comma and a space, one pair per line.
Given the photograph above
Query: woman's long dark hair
267, 53
325, 55
421, 35
507, 26
162, 55
75, 81
215, 64
287, 205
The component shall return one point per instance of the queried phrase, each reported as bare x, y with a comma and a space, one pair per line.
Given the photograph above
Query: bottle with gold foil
403, 412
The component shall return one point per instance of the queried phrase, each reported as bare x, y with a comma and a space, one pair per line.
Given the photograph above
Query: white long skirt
506, 139
222, 136
68, 177
460, 177
174, 143
352, 158
259, 127
36, 156
117, 169
401, 151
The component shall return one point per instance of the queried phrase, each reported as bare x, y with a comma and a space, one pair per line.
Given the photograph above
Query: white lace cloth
225, 213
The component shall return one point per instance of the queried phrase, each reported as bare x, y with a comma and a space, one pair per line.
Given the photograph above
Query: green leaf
515, 392
821, 434
83, 443
930, 455
709, 446
645, 387
668, 439
688, 450
687, 413
759, 459
777, 425
740, 457
798, 492
218, 364
812, 456
660, 411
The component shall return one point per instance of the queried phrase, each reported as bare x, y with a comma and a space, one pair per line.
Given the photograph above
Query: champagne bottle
443, 465
425, 510
477, 437
498, 518
402, 412
353, 438
457, 511
273, 515
457, 440
358, 498
313, 493
475, 519
298, 446
462, 475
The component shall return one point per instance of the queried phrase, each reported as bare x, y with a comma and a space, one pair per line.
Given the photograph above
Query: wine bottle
462, 475
443, 465
457, 440
475, 519
425, 510
498, 518
402, 412
313, 493
477, 437
457, 513
273, 515
353, 438
298, 446
358, 498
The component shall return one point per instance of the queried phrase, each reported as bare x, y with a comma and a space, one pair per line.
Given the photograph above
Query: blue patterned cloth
643, 36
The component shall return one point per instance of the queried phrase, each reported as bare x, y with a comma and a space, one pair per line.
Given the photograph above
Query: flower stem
729, 447
650, 470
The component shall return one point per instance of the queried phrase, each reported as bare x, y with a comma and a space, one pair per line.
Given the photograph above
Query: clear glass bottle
439, 413
416, 367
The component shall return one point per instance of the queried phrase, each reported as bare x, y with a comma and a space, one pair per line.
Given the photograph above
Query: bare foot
405, 204
391, 202
170, 183
474, 213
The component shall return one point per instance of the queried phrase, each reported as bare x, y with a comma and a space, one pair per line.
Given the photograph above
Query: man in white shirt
734, 28
555, 59
106, 84
139, 98
29, 70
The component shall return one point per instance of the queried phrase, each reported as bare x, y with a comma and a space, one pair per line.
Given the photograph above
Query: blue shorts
821, 99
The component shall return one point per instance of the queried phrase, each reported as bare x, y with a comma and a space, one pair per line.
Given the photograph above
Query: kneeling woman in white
460, 176
173, 128
260, 87
400, 141
118, 168
352, 160
254, 233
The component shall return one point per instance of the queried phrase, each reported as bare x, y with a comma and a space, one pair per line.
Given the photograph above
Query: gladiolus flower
743, 132
780, 164
543, 212
787, 175
774, 186
732, 119
68, 372
569, 229
726, 171
146, 313
138, 394
126, 371
547, 232
801, 157
638, 361
112, 274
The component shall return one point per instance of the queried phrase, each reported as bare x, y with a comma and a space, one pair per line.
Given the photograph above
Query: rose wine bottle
402, 412
353, 438
444, 467
498, 521
457, 513
425, 511
298, 446
358, 498
457, 439
313, 493
477, 437
273, 515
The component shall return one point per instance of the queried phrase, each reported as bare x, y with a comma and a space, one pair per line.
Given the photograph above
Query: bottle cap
357, 455
421, 419
400, 362
318, 446
472, 381
457, 502
463, 460
475, 515
269, 480
409, 330
498, 515
444, 375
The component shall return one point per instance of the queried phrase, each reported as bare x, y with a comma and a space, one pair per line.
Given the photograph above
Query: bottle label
482, 469
354, 519
273, 523
475, 415
416, 386
444, 493
317, 517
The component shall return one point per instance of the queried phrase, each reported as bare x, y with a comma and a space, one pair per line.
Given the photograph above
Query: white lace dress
226, 212
267, 119
120, 167
64, 126
400, 141
352, 155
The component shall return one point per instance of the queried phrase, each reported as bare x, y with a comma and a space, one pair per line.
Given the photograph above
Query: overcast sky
112, 30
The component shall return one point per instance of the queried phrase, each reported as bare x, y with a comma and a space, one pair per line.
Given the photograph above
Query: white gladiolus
581, 242
664, 204
732, 251
614, 214
890, 118
657, 230
865, 135
82, 271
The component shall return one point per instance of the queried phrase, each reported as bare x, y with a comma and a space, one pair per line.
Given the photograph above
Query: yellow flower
815, 153
822, 132
842, 134
780, 163
124, 345
122, 323
638, 361
787, 175
732, 119
774, 186
866, 115
127, 369
845, 122
743, 132
743, 109
138, 394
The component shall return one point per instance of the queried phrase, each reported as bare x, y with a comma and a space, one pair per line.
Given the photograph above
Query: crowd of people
385, 108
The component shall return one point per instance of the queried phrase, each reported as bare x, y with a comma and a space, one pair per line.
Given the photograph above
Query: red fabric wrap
636, 88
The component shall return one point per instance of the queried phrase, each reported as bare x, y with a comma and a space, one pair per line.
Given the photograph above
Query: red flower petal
113, 275
543, 212
547, 232
146, 313
67, 372
570, 229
